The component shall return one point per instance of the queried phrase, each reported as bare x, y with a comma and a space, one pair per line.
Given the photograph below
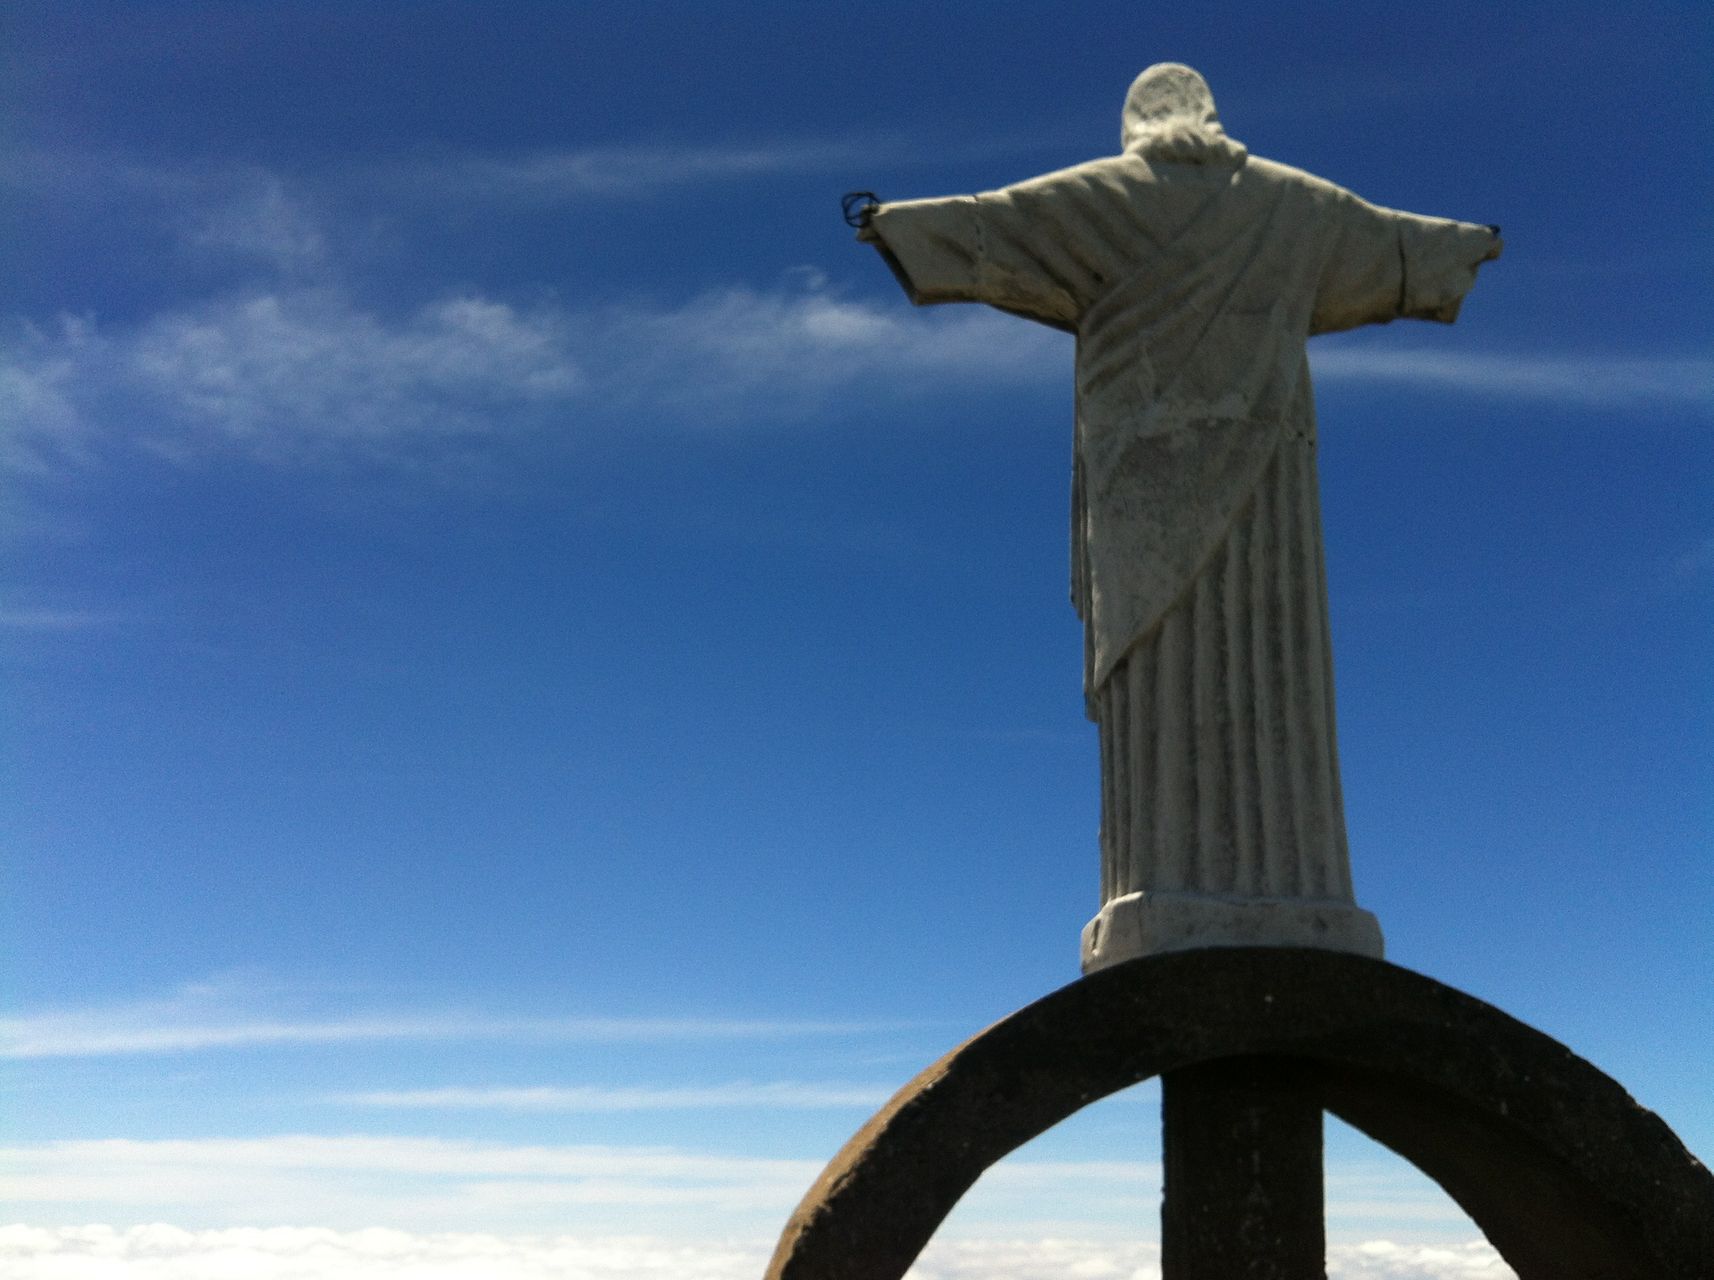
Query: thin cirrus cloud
548, 174
26, 1038
1578, 381
557, 175
231, 1014
347, 1181
774, 1095
56, 620
404, 1157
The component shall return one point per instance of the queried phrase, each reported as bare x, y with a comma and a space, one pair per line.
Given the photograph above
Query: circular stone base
1142, 924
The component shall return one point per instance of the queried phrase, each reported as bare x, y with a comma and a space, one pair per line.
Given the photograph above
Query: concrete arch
1569, 1178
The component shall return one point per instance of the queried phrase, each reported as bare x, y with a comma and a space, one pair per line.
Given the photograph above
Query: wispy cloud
420, 1157
286, 358
546, 175
1695, 564
250, 214
83, 1036
230, 1015
776, 1095
43, 619
1570, 380
45, 429
283, 359
557, 175
288, 376
787, 349
302, 375
289, 1253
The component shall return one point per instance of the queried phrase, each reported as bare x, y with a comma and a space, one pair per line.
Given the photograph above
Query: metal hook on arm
858, 207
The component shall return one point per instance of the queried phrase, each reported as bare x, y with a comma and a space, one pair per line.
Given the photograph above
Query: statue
1192, 274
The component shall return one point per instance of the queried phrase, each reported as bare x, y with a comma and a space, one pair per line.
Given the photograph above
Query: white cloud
296, 374
227, 1014
251, 215
42, 427
1110, 1260
1037, 1260
306, 374
158, 1251
303, 374
161, 1252
286, 377
82, 1035
786, 351
296, 367
777, 1095
545, 176
1569, 380
54, 1036
404, 1157
1390, 1260
563, 174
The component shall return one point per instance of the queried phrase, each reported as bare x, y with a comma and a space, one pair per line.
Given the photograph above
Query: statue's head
1169, 116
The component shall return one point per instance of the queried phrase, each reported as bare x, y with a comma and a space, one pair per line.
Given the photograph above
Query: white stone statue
1192, 274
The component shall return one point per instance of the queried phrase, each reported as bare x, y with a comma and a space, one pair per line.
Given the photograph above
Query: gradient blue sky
538, 690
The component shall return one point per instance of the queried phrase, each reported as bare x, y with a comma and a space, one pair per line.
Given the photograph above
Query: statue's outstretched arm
969, 249
1388, 265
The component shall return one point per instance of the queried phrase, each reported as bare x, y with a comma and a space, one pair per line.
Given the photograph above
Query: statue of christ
1192, 274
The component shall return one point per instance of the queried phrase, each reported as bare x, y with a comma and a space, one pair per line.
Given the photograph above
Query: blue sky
538, 689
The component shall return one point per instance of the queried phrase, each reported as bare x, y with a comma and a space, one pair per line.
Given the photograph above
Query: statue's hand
858, 208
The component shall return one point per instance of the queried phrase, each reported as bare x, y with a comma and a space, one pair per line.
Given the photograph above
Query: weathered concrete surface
1566, 1174
1145, 923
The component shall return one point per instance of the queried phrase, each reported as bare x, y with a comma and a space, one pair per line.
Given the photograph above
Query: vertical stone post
1241, 1145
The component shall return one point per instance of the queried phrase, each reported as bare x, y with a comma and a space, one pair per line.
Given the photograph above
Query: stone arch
1569, 1178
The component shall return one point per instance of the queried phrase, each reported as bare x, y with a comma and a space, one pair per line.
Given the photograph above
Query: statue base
1142, 924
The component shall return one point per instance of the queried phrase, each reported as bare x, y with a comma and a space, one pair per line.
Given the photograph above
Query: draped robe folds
1196, 543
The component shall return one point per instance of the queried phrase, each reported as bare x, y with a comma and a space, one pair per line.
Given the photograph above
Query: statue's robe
1196, 534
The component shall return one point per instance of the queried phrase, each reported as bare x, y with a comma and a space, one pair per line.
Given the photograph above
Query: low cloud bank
159, 1251
430, 1185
